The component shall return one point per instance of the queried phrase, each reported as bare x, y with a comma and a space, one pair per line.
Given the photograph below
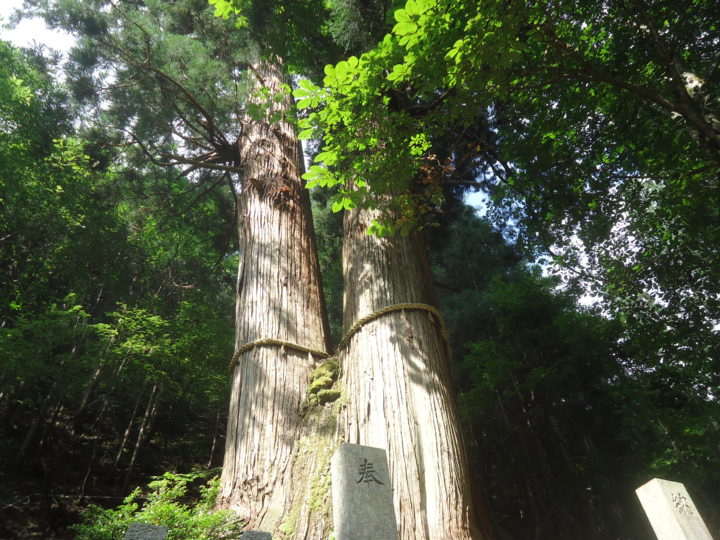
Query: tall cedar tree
213, 104
413, 415
593, 128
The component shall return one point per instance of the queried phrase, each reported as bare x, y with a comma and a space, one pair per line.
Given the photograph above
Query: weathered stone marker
256, 535
362, 494
672, 514
145, 531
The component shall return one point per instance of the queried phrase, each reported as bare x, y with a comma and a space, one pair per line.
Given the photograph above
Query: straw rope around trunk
432, 310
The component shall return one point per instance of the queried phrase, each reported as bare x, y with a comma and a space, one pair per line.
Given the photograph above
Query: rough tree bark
395, 373
278, 297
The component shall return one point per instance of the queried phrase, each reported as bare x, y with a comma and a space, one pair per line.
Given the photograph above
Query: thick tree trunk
395, 372
279, 297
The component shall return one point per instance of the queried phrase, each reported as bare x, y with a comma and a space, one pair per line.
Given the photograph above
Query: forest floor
70, 464
28, 509
44, 492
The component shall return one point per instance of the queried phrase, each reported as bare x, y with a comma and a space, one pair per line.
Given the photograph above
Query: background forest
591, 130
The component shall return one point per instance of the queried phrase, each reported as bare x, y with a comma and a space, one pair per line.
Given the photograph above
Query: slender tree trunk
128, 430
395, 372
216, 434
88, 473
5, 391
148, 418
51, 423
278, 297
108, 394
37, 423
94, 378
12, 404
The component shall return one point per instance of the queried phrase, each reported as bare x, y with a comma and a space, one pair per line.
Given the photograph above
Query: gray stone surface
671, 512
145, 531
362, 494
256, 535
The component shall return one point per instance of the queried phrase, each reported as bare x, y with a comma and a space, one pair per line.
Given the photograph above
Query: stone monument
145, 531
362, 494
671, 512
256, 535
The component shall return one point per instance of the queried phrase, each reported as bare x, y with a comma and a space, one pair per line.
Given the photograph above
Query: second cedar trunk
396, 375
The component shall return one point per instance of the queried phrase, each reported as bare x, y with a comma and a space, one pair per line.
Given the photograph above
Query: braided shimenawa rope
395, 307
349, 334
275, 343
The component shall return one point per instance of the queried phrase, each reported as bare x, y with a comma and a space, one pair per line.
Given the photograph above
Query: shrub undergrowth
165, 502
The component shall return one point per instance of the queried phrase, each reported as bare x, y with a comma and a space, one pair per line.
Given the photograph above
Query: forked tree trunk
396, 375
278, 297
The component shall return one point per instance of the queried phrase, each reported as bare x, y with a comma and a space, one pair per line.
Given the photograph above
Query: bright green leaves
419, 144
455, 53
353, 62
322, 175
69, 157
380, 228
18, 91
310, 95
399, 72
255, 111
345, 68
18, 84
223, 8
166, 501
261, 106
416, 8
342, 75
405, 26
227, 8
295, 30
371, 146
442, 68
346, 112
306, 133
330, 158
345, 203
319, 176
411, 21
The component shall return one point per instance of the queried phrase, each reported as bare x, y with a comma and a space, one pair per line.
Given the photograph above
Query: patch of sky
30, 32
